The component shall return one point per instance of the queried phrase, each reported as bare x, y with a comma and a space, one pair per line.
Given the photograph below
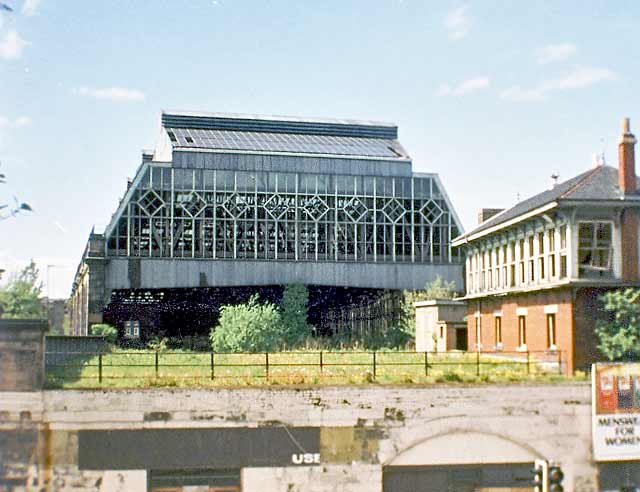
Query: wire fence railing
104, 367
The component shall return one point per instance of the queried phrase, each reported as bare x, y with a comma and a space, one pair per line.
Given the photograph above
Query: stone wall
362, 429
21, 354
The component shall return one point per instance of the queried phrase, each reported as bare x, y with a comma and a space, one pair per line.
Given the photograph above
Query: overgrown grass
131, 369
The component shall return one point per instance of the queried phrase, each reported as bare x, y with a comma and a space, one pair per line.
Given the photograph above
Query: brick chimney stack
626, 159
628, 217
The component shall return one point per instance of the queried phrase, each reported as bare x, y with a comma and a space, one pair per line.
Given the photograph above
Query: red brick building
534, 272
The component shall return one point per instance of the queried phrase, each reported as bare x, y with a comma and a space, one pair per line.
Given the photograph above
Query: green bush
158, 344
106, 331
250, 327
293, 309
619, 335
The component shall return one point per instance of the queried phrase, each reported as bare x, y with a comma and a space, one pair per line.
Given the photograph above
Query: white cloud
518, 94
116, 94
555, 52
457, 22
466, 87
578, 78
19, 122
12, 45
60, 227
22, 121
30, 7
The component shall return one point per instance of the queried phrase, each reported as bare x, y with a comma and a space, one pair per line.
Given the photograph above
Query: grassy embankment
134, 369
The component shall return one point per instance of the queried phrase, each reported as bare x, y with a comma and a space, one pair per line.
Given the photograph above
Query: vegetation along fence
169, 367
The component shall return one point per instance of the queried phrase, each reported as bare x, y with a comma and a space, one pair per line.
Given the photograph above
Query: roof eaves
460, 240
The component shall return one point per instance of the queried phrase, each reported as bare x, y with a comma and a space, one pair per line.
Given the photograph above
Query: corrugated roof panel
279, 124
281, 142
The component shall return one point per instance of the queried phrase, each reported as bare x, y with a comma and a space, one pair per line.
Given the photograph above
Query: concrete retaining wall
362, 429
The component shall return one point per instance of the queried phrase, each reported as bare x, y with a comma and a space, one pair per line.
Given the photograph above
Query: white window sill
521, 348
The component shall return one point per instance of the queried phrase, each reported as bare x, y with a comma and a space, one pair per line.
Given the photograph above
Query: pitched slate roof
596, 184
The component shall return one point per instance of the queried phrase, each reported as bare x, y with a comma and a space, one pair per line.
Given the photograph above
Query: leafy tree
619, 336
293, 308
104, 330
250, 327
21, 297
436, 289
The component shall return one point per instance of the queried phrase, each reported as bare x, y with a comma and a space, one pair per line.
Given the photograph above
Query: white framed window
595, 248
551, 241
522, 332
542, 271
521, 264
497, 322
551, 331
132, 329
512, 264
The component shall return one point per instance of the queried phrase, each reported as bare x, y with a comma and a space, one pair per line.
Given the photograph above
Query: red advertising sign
616, 411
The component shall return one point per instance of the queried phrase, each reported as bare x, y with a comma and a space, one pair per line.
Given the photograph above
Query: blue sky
495, 96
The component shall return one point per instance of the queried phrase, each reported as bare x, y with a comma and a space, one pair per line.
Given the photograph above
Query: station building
535, 272
240, 201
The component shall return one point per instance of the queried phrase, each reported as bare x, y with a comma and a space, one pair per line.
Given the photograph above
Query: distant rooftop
223, 131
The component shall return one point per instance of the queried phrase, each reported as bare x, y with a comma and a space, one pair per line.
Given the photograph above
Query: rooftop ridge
278, 124
581, 182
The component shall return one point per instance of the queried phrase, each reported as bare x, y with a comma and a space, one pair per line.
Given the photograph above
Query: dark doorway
195, 481
461, 339
462, 478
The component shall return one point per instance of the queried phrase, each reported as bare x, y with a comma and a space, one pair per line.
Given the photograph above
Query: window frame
552, 331
522, 332
497, 326
591, 268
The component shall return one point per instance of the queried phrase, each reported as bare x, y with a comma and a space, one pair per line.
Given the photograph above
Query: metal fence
100, 368
59, 348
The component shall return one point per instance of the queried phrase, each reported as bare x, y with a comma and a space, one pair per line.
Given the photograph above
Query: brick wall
536, 322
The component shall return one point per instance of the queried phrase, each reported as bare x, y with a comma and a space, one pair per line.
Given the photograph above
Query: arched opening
461, 461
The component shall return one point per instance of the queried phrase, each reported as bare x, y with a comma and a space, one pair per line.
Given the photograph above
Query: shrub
250, 327
158, 344
106, 331
293, 308
619, 336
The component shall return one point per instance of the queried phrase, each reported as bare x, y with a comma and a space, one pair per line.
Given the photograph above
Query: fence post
560, 362
157, 363
478, 363
321, 363
374, 364
266, 365
213, 370
100, 368
426, 363
528, 363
